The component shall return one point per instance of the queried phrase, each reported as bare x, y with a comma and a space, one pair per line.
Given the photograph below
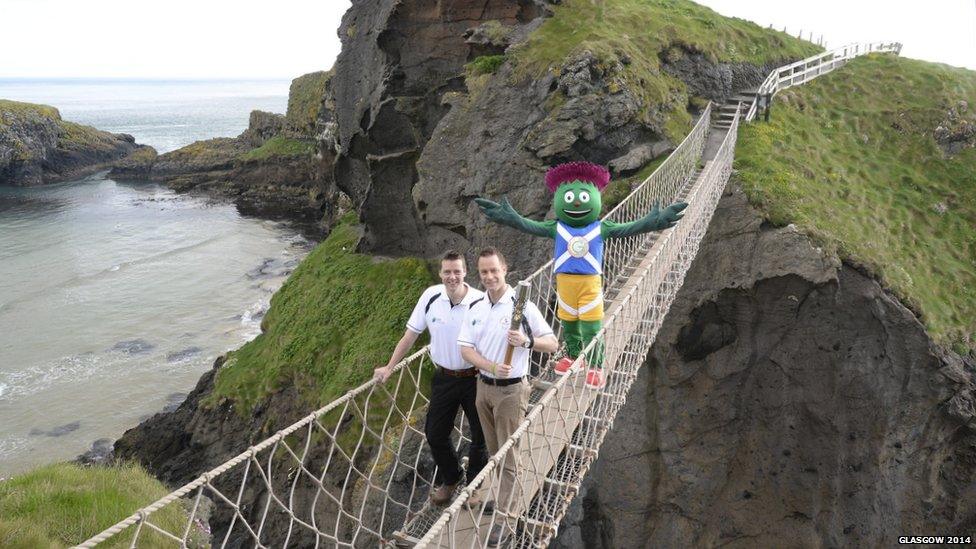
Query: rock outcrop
787, 396
38, 147
958, 130
273, 169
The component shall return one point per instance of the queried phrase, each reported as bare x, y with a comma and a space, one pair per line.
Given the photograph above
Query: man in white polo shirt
503, 390
441, 309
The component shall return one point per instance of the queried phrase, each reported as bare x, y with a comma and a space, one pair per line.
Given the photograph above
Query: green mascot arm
505, 214
657, 220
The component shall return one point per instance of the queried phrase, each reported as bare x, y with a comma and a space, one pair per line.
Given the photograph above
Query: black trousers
447, 394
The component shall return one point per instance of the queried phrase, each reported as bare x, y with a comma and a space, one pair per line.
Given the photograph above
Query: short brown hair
452, 255
490, 251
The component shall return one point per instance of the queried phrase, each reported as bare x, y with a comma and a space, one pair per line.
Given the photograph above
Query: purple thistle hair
577, 171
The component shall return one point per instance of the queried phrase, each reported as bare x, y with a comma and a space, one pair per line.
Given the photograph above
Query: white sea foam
37, 378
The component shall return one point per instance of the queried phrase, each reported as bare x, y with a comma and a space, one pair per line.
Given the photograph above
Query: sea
115, 295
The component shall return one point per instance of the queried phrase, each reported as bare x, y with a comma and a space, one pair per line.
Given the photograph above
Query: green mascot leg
573, 337
589, 329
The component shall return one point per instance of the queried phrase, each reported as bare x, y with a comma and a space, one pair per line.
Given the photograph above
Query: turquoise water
115, 296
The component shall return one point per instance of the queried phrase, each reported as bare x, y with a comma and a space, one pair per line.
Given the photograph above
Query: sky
287, 38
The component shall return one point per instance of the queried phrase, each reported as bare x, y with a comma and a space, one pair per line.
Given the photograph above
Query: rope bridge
356, 473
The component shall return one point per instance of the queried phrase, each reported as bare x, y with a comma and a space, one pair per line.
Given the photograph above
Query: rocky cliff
788, 396
38, 147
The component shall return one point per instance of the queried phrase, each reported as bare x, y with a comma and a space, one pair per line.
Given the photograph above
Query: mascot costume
578, 265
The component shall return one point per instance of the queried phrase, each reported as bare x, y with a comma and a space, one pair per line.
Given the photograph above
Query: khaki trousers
501, 409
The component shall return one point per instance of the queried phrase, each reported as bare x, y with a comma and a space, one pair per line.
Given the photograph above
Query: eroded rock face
715, 81
787, 396
398, 59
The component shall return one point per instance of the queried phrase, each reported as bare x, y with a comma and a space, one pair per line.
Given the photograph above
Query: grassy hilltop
854, 159
641, 35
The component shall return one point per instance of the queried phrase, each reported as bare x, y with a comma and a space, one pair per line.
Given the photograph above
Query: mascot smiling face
578, 203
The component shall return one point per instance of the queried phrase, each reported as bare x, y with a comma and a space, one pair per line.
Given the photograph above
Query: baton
517, 314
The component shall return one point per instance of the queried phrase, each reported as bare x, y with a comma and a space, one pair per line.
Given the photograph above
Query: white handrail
787, 76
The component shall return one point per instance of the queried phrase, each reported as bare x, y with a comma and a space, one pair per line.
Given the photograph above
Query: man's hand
500, 213
502, 371
516, 339
668, 217
382, 373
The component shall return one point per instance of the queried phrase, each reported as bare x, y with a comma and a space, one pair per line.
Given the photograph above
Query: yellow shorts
580, 297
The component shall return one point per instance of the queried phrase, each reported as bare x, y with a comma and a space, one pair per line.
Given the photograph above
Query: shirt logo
475, 321
578, 247
435, 320
505, 321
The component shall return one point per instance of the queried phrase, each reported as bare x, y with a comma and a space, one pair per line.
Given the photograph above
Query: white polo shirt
435, 312
486, 326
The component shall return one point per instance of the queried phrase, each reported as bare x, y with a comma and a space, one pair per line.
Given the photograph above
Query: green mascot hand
659, 219
502, 213
505, 214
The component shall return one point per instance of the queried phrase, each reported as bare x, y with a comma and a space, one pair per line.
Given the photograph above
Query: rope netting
357, 472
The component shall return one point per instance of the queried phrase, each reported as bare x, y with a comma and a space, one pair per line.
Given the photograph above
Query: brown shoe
442, 494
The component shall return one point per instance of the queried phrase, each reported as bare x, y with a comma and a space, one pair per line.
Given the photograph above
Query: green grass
64, 504
337, 317
281, 147
11, 111
305, 101
850, 158
618, 189
639, 31
485, 64
216, 150
85, 138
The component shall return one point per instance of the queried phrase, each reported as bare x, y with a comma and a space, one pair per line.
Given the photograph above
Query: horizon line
148, 78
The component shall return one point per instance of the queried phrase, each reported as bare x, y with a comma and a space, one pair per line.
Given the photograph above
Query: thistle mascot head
577, 187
